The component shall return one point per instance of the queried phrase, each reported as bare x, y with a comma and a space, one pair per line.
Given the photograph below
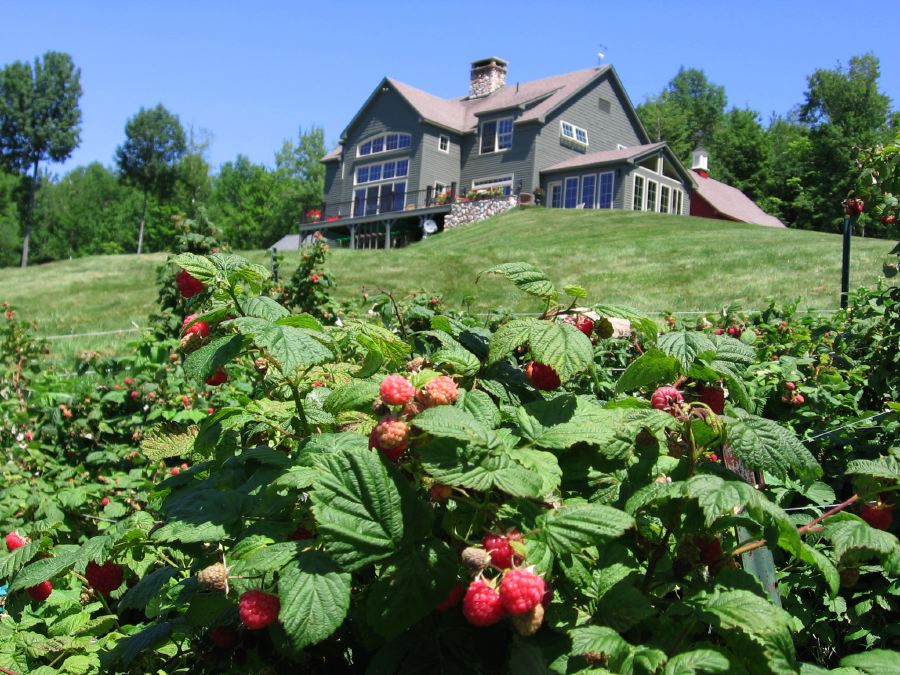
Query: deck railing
378, 200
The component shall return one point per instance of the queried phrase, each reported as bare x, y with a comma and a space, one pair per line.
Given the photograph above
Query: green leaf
14, 561
315, 597
45, 568
527, 278
571, 529
149, 587
255, 557
158, 444
453, 463
130, 648
874, 661
264, 307
480, 406
686, 347
409, 590
202, 363
357, 395
197, 266
649, 369
235, 268
577, 292
447, 421
200, 516
601, 640
883, 467
357, 505
456, 359
762, 444
562, 346
697, 661
292, 348
391, 347
852, 536
509, 337
757, 618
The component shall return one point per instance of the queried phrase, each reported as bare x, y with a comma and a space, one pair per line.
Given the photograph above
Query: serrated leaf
577, 292
139, 595
197, 266
601, 640
649, 369
481, 407
292, 348
697, 661
128, 649
509, 337
571, 529
410, 589
562, 346
527, 278
852, 536
202, 363
874, 661
45, 568
686, 347
446, 421
762, 444
457, 360
391, 347
158, 444
264, 307
357, 505
452, 463
883, 467
264, 558
200, 516
12, 562
315, 596
358, 395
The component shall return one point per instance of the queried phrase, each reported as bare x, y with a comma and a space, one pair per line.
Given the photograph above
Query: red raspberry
790, 386
482, 605
390, 436
542, 376
880, 516
135, 394
439, 492
520, 591
188, 285
452, 599
40, 592
582, 323
174, 471
128, 381
104, 578
502, 554
223, 637
13, 541
396, 390
201, 328
714, 397
217, 378
300, 534
258, 609
104, 501
709, 549
668, 399
719, 331
439, 391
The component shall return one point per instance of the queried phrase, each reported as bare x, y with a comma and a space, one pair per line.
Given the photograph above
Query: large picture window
373, 173
570, 200
605, 196
651, 195
588, 189
496, 135
375, 199
384, 143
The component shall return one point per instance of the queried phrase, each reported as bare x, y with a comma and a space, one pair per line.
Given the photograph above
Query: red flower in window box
314, 215
331, 219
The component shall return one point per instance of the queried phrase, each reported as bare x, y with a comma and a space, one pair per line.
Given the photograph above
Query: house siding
519, 160
388, 112
438, 166
333, 187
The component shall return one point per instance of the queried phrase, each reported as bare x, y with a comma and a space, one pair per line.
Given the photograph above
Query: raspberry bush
303, 517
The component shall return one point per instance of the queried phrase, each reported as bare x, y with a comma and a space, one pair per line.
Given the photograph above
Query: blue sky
252, 74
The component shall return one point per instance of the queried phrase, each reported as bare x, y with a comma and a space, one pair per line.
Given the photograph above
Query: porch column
387, 233
353, 236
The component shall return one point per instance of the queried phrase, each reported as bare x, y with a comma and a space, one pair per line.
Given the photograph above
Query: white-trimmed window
503, 182
380, 198
555, 190
651, 195
605, 195
573, 136
374, 173
637, 203
677, 201
496, 135
444, 143
384, 143
664, 192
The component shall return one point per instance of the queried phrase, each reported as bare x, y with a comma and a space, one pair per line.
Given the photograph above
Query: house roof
334, 155
732, 203
604, 157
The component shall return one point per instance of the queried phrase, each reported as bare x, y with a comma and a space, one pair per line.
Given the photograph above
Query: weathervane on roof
601, 55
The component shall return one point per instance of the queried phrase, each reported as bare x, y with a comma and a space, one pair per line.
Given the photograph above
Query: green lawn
650, 262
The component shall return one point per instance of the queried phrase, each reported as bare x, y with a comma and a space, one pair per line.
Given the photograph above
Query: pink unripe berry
396, 390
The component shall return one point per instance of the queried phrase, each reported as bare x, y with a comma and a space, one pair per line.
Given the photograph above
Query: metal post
353, 236
274, 253
387, 233
845, 262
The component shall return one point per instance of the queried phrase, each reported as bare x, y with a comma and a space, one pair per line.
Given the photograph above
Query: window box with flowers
314, 215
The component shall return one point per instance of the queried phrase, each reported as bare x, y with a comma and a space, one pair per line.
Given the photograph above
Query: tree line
798, 166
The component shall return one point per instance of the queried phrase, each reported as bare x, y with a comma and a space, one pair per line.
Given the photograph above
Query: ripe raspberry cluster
104, 578
396, 390
188, 285
667, 399
14, 540
258, 609
541, 376
441, 390
390, 436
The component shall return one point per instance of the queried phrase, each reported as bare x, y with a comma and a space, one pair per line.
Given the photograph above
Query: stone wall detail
462, 213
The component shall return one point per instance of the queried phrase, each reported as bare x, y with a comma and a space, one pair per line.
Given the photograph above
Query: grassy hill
651, 262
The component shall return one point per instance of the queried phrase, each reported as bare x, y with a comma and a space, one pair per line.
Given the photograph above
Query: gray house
574, 140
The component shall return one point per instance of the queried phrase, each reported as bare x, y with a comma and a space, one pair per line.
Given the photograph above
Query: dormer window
573, 136
496, 135
384, 143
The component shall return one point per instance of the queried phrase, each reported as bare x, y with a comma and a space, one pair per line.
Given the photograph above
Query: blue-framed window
570, 199
374, 173
375, 199
588, 189
556, 196
384, 143
496, 135
605, 197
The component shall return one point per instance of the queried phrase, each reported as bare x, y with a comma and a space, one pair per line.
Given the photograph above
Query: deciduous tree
154, 145
40, 120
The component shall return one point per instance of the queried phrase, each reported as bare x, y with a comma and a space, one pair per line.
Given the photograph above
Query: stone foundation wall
471, 212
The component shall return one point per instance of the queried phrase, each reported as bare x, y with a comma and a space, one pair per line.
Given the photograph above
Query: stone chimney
487, 76
700, 162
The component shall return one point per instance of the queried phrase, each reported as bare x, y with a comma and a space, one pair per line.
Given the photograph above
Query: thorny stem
809, 527
298, 402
